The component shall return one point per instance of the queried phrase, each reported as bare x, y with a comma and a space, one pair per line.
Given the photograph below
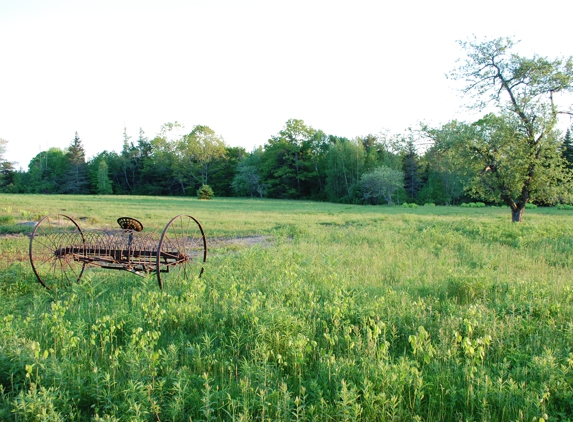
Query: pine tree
567, 148
77, 174
411, 168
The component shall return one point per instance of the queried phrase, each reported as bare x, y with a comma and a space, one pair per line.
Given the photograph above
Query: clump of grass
7, 220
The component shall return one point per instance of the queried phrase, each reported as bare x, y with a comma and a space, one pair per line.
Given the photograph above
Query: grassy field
345, 313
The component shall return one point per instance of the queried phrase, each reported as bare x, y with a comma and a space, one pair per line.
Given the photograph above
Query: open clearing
305, 311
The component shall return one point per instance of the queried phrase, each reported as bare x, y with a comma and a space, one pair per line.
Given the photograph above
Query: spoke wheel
182, 249
55, 244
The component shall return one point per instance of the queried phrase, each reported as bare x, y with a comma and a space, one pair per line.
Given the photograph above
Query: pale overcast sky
245, 67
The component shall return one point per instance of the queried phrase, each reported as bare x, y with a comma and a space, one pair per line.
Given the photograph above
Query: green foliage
205, 192
197, 154
409, 205
46, 172
473, 205
103, 180
288, 164
345, 164
347, 313
381, 183
7, 219
247, 180
513, 156
567, 148
411, 170
7, 170
76, 177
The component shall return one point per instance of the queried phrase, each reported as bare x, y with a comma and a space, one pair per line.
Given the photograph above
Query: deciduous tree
382, 182
525, 91
344, 166
198, 152
103, 180
287, 164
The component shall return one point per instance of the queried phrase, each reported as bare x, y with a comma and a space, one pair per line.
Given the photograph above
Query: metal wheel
55, 244
182, 249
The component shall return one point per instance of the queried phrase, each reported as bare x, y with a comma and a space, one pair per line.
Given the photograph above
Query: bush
205, 192
429, 204
473, 205
530, 206
412, 205
564, 207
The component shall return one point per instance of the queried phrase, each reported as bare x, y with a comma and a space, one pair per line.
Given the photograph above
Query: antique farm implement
60, 250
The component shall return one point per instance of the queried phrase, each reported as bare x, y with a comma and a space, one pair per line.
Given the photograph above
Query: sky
243, 68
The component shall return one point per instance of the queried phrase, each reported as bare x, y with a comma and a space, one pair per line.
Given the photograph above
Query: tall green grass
351, 313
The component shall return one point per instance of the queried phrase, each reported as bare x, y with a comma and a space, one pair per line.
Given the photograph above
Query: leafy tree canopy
524, 90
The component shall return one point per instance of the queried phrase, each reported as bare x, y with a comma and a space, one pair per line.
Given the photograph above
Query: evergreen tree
567, 148
411, 169
77, 174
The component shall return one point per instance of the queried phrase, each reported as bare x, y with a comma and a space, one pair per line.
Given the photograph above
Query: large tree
47, 172
382, 182
198, 152
444, 175
525, 91
344, 166
287, 164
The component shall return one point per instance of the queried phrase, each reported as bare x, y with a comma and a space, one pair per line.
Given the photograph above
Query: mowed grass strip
346, 313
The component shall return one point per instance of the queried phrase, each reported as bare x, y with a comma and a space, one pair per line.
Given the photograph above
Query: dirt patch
13, 235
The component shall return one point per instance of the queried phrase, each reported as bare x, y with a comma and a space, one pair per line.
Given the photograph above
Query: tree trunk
517, 214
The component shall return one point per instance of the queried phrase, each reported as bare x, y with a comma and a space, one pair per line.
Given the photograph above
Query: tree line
297, 163
513, 156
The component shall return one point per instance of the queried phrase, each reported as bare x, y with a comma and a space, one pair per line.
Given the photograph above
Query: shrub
429, 204
530, 206
205, 192
564, 207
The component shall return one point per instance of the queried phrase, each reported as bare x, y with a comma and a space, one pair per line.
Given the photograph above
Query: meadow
344, 313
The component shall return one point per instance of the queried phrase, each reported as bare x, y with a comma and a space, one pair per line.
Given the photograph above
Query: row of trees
514, 155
